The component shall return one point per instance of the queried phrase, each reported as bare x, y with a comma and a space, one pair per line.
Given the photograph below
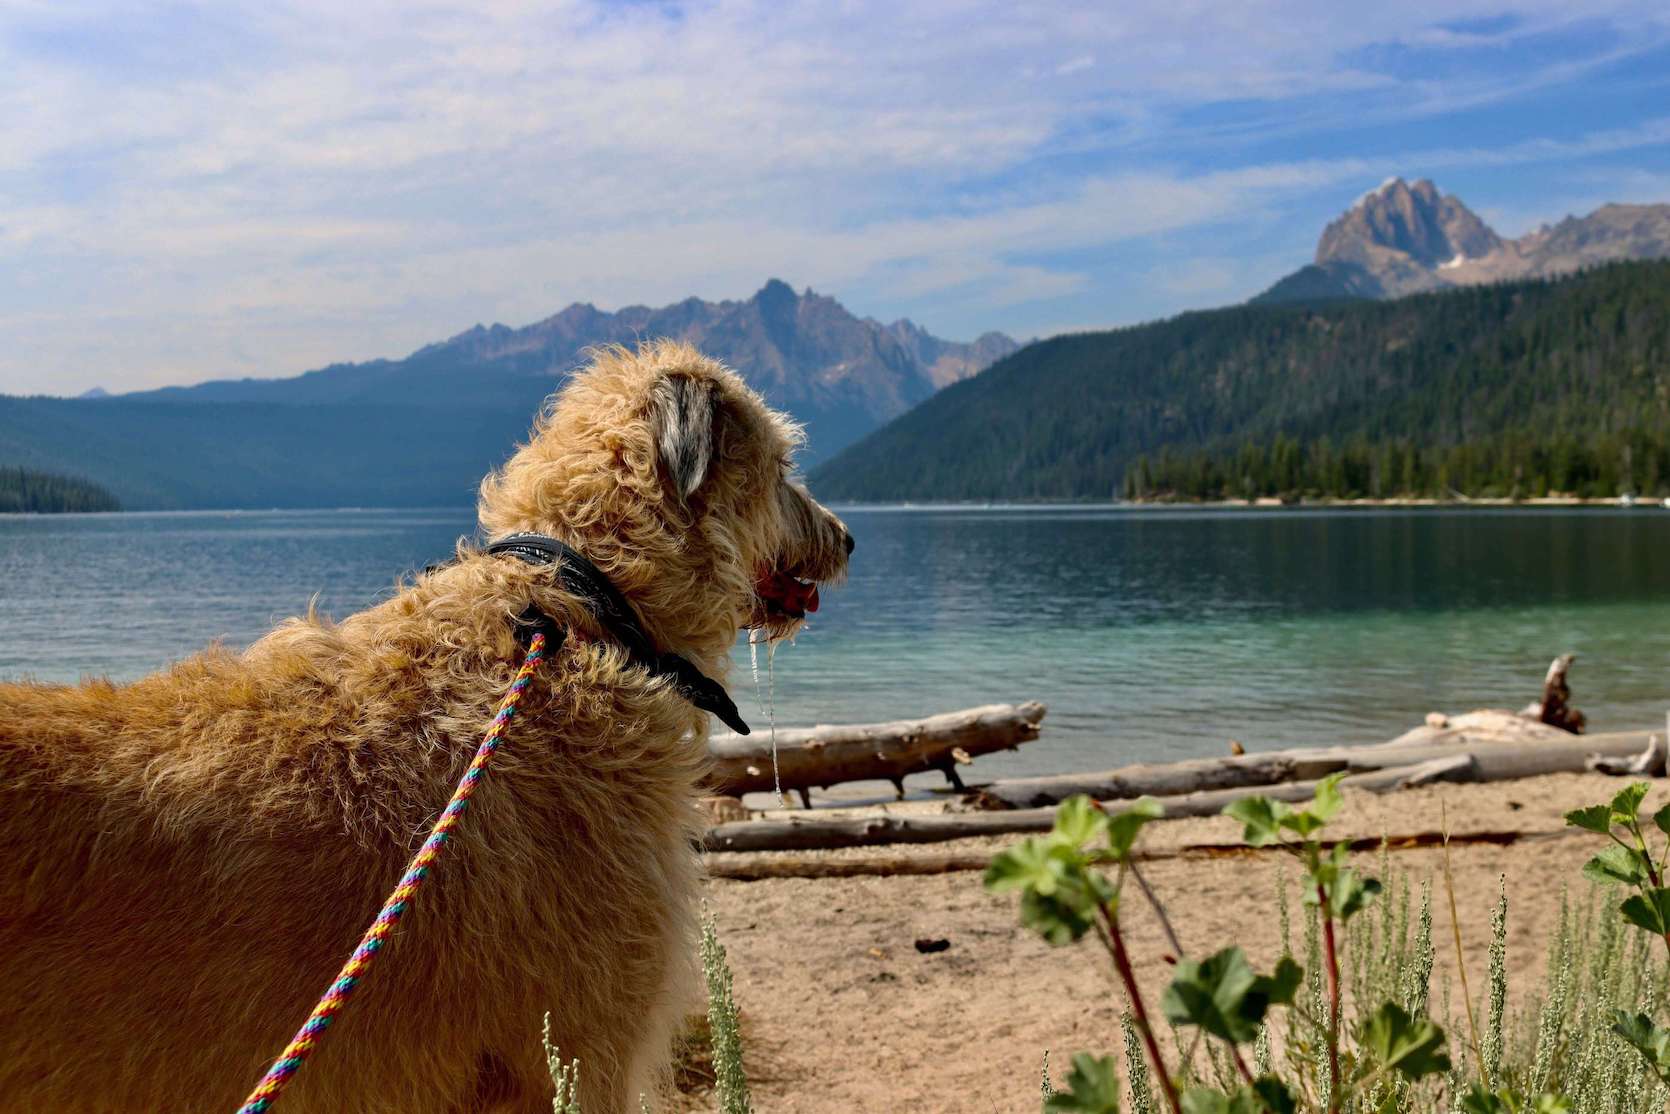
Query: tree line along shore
1508, 468
23, 491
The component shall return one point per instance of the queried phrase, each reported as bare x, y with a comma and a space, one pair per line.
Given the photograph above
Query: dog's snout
847, 543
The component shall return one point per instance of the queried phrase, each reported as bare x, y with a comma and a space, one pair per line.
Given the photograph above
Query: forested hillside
22, 490
242, 454
1530, 387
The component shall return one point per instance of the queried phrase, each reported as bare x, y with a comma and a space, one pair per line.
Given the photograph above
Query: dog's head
676, 479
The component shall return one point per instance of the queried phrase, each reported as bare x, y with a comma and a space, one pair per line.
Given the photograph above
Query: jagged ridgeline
1530, 387
25, 491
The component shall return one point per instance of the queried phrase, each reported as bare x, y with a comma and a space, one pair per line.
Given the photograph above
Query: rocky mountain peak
1429, 227
1402, 239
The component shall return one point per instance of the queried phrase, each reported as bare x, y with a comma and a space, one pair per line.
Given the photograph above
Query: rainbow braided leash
284, 1069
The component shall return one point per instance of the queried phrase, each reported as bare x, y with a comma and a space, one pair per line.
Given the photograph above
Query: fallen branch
756, 868
1649, 763
807, 833
809, 757
1553, 752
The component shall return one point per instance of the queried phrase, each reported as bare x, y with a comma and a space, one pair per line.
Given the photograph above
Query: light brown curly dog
185, 861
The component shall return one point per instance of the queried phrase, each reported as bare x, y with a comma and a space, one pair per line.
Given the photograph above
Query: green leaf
1030, 864
1279, 987
1058, 922
1267, 1095
1412, 1047
1124, 826
1652, 1042
1627, 804
1351, 894
1077, 822
1200, 1100
1261, 818
1595, 818
1060, 894
1092, 1088
1328, 798
1223, 996
1617, 865
1662, 819
1649, 909
1479, 1099
1551, 1104
1305, 823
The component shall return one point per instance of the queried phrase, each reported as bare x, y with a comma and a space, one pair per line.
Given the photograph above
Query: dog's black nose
846, 540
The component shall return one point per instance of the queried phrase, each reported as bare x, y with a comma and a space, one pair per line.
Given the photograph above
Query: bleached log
809, 833
1649, 763
810, 757
766, 865
1153, 779
1501, 754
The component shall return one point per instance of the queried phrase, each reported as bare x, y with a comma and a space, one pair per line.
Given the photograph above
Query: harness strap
615, 614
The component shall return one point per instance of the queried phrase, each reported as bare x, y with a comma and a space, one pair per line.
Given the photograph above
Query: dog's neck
615, 614
685, 605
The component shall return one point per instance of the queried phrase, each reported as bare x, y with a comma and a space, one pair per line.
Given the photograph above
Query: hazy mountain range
424, 429
1063, 418
1401, 239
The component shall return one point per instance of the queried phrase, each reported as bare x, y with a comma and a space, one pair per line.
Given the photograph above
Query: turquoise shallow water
1150, 634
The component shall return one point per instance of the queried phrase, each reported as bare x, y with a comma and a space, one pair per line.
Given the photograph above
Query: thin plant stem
1159, 910
1139, 1012
1240, 1064
1455, 932
1647, 860
1335, 1089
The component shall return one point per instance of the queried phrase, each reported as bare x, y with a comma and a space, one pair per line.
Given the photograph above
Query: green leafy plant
1628, 861
1064, 894
1066, 891
1565, 1058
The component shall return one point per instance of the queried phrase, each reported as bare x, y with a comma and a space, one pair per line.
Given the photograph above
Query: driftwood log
1550, 720
755, 868
1500, 746
1651, 762
809, 757
807, 833
1555, 707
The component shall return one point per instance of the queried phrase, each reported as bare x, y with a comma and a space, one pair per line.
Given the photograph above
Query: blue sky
191, 191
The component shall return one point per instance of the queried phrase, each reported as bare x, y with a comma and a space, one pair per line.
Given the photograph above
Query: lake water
1151, 634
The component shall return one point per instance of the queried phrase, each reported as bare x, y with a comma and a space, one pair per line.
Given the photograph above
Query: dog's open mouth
785, 596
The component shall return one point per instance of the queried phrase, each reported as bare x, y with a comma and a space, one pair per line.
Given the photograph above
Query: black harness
615, 615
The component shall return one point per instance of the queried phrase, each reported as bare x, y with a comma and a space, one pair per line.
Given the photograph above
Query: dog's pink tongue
793, 596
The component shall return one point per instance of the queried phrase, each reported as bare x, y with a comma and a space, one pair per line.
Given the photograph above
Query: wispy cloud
255, 189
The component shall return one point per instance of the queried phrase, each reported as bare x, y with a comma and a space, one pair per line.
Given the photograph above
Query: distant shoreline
1648, 502
1267, 503
1270, 503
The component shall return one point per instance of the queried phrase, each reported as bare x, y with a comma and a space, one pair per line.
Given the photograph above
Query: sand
842, 1013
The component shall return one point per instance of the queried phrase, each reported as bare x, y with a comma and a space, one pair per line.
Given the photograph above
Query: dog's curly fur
186, 860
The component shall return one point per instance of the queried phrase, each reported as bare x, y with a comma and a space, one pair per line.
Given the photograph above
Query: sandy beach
841, 1012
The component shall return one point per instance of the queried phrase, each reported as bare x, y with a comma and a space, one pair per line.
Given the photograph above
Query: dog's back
187, 860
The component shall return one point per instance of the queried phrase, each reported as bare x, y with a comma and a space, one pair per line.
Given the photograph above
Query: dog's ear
681, 412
